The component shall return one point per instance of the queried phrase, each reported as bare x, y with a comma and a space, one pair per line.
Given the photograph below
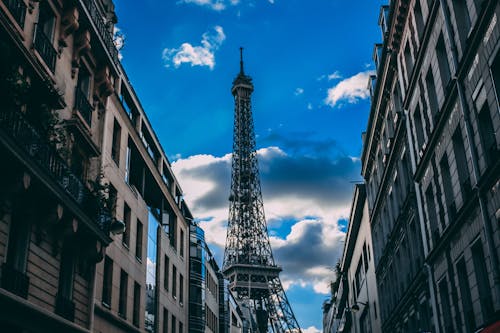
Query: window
19, 240
431, 212
46, 20
181, 328
115, 148
419, 130
122, 303
126, 219
495, 74
174, 281
444, 66
78, 164
173, 324
447, 186
365, 256
464, 289
172, 230
462, 20
66, 274
419, 18
431, 93
82, 94
165, 320
166, 272
461, 161
112, 198
408, 61
107, 282
181, 246
487, 134
483, 282
138, 241
444, 295
181, 289
137, 304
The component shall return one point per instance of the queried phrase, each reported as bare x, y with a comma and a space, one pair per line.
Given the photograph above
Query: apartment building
81, 159
431, 164
354, 305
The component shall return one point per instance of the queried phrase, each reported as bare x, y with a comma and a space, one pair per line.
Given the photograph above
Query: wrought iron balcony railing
46, 156
14, 281
45, 48
83, 106
17, 9
103, 31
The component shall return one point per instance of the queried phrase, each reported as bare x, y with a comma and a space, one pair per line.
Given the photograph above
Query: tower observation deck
248, 259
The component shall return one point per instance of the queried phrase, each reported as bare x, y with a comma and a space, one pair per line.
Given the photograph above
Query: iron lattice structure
248, 259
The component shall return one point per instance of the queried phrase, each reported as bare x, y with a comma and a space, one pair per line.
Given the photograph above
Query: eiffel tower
248, 259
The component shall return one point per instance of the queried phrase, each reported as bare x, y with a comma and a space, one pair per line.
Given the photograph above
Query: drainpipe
475, 167
430, 274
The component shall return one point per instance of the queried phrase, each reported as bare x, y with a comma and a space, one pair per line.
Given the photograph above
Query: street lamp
355, 307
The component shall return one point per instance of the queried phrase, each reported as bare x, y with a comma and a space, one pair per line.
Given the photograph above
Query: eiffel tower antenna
248, 259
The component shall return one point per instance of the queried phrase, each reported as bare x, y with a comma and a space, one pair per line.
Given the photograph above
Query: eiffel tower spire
248, 259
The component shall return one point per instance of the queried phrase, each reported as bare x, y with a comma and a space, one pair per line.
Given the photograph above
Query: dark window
173, 324
419, 130
408, 61
122, 304
419, 18
66, 275
181, 246
495, 73
166, 272
126, 219
487, 134
115, 148
365, 256
47, 20
174, 281
461, 161
447, 186
181, 288
181, 328
83, 83
165, 320
78, 164
444, 66
19, 240
431, 93
483, 282
137, 304
431, 213
462, 20
172, 230
464, 289
138, 241
445, 306
107, 282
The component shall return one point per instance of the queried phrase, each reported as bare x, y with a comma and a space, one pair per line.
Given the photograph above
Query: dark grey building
431, 164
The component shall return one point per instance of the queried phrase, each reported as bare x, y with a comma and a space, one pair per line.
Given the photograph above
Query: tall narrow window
432, 213
483, 282
82, 95
419, 129
461, 161
172, 322
115, 145
174, 281
137, 304
431, 93
112, 199
107, 283
181, 328
447, 186
64, 301
181, 289
166, 272
165, 320
462, 20
122, 304
487, 133
495, 74
419, 18
444, 295
408, 61
172, 230
464, 289
181, 246
444, 66
126, 219
138, 241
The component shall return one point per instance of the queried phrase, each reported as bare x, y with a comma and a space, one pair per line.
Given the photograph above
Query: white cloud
202, 55
351, 89
311, 329
334, 76
299, 91
308, 194
119, 40
216, 5
309, 106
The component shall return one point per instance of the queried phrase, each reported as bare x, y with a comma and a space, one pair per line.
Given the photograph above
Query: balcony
83, 106
26, 137
102, 29
17, 9
65, 308
45, 48
15, 281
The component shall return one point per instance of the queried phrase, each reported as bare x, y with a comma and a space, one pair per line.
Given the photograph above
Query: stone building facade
431, 164
79, 157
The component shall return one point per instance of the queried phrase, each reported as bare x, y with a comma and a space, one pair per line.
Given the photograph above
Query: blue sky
310, 61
